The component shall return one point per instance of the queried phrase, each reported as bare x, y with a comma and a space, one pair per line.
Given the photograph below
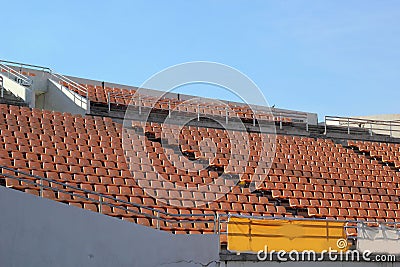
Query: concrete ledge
41, 232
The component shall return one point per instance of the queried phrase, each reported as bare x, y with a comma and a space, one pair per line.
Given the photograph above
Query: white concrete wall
25, 93
59, 98
40, 99
45, 233
383, 239
40, 81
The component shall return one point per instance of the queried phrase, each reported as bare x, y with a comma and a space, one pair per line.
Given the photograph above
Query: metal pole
101, 205
280, 121
87, 102
158, 220
215, 223
140, 106
307, 124
219, 231
254, 119
226, 115
325, 126
41, 187
169, 108
370, 126
348, 125
198, 112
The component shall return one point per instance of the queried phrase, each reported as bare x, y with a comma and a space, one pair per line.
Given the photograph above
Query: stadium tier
124, 97
175, 178
324, 178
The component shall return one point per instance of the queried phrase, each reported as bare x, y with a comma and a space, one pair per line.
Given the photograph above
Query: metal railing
16, 76
372, 126
82, 90
74, 88
158, 215
22, 65
295, 117
382, 226
280, 116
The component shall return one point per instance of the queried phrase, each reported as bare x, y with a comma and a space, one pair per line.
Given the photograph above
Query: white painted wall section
41, 232
60, 98
23, 92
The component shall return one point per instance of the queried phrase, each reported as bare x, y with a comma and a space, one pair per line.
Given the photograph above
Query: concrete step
11, 99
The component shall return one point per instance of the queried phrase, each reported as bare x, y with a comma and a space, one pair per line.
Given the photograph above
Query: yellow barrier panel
252, 235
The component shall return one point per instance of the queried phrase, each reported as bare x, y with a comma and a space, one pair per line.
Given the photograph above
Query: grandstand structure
65, 175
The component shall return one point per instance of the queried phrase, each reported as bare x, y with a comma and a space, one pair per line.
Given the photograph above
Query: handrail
77, 86
18, 64
121, 94
102, 196
383, 226
258, 113
384, 127
19, 77
303, 219
259, 108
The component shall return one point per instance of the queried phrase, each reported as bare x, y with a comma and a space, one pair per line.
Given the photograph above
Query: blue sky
329, 57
